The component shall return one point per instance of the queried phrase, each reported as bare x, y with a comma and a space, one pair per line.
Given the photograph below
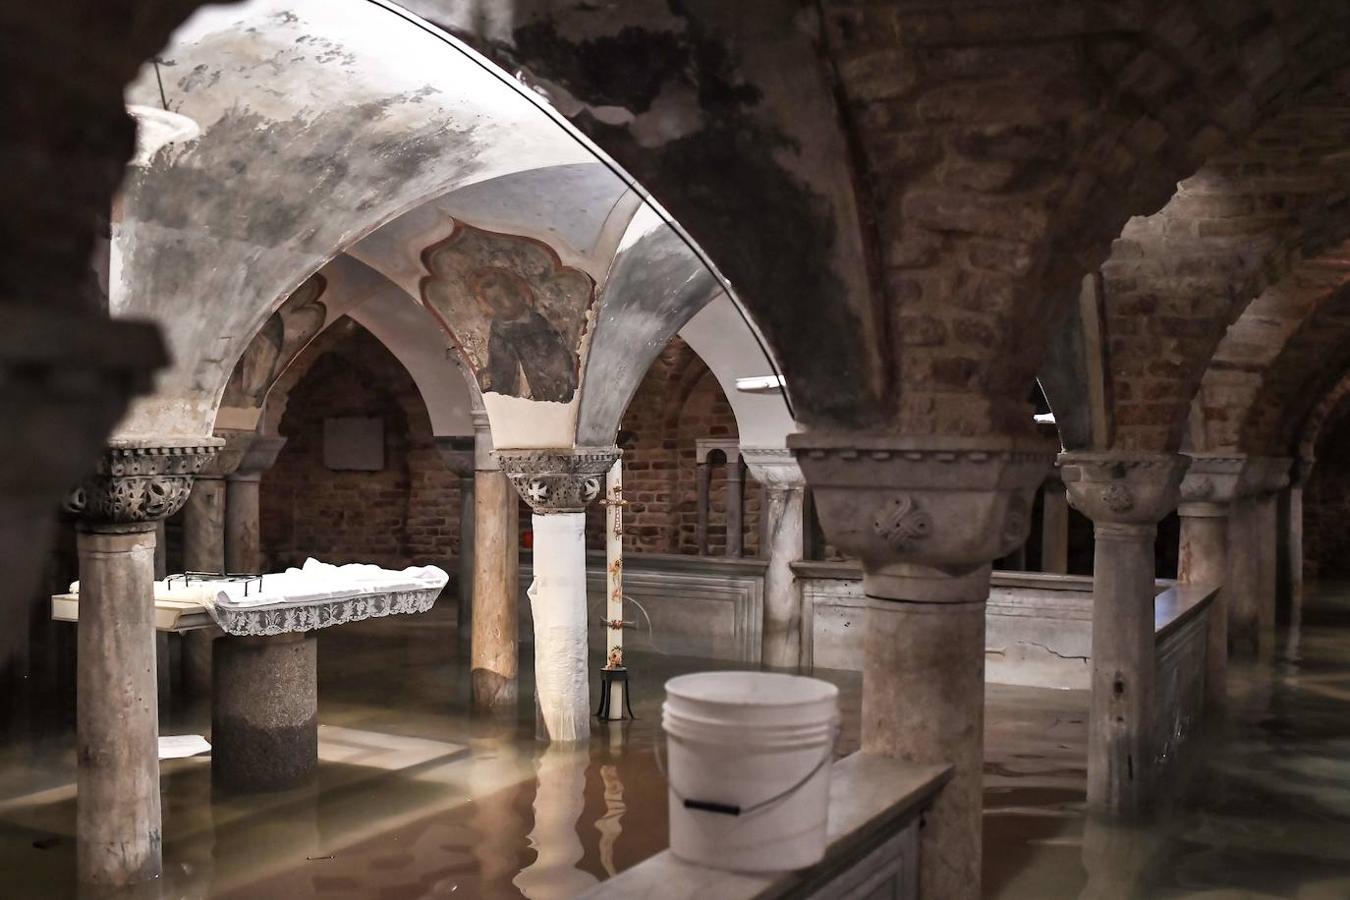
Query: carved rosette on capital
553, 482
1210, 484
893, 500
139, 482
1120, 490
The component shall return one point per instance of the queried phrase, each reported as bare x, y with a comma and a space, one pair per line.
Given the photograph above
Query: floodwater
416, 798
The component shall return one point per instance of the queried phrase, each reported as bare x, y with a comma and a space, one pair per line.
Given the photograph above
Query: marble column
735, 501
927, 517
558, 485
117, 819
1291, 545
702, 476
458, 454
1291, 533
243, 527
265, 712
1253, 553
495, 639
1054, 528
1202, 558
1125, 495
784, 486
204, 547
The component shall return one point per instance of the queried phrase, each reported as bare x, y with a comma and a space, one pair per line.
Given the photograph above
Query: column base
264, 716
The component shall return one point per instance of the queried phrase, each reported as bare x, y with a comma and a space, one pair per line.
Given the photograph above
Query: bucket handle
731, 809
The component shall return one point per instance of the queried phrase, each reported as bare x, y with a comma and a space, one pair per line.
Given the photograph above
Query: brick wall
409, 512
406, 514
678, 402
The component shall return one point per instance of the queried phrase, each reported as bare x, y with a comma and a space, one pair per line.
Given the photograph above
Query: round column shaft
558, 485
265, 712
243, 538
558, 606
1124, 494
923, 701
137, 483
117, 726
1203, 560
927, 516
496, 589
784, 495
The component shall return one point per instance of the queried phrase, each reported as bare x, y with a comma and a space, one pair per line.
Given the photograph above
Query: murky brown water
417, 799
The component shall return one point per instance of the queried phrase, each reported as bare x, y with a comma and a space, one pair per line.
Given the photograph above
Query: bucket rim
822, 691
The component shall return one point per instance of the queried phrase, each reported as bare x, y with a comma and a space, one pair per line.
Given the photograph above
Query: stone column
204, 547
243, 527
784, 486
1291, 533
458, 454
702, 475
1125, 495
927, 517
265, 712
117, 819
1253, 546
558, 485
1206, 498
496, 579
735, 499
1055, 528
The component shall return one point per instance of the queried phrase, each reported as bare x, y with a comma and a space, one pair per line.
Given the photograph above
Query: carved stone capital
457, 452
1123, 489
1264, 475
259, 456
1210, 484
558, 481
139, 482
774, 467
231, 453
1301, 471
893, 501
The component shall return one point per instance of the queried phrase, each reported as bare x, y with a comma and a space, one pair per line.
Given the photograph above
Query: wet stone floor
415, 798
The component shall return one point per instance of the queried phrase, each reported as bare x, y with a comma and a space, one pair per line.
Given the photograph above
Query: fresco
518, 314
284, 335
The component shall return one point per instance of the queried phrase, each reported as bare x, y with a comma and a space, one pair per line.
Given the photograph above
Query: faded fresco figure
526, 356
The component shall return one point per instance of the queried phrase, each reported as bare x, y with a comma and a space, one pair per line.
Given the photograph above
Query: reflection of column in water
498, 828
1116, 855
558, 804
608, 825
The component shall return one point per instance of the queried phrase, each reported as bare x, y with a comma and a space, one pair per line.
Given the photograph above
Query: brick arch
1236, 245
1259, 356
404, 514
1327, 414
972, 161
1307, 368
1004, 147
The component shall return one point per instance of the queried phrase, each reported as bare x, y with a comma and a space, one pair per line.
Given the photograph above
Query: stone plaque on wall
353, 443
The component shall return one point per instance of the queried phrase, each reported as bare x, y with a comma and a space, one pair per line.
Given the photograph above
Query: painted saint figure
526, 356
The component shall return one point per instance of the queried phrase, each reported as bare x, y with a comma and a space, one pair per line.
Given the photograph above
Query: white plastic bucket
749, 768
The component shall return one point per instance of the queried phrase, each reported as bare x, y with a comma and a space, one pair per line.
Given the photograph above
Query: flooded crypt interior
400, 396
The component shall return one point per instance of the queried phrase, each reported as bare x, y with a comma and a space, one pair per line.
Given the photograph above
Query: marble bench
264, 709
875, 812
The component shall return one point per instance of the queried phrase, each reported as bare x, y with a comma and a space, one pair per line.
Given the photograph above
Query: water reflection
559, 800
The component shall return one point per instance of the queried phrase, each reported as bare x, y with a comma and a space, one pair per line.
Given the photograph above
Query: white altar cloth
316, 595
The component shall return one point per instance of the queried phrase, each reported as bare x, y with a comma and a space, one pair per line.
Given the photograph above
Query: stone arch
1218, 256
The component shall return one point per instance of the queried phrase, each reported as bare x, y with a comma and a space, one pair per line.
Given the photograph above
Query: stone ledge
872, 799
